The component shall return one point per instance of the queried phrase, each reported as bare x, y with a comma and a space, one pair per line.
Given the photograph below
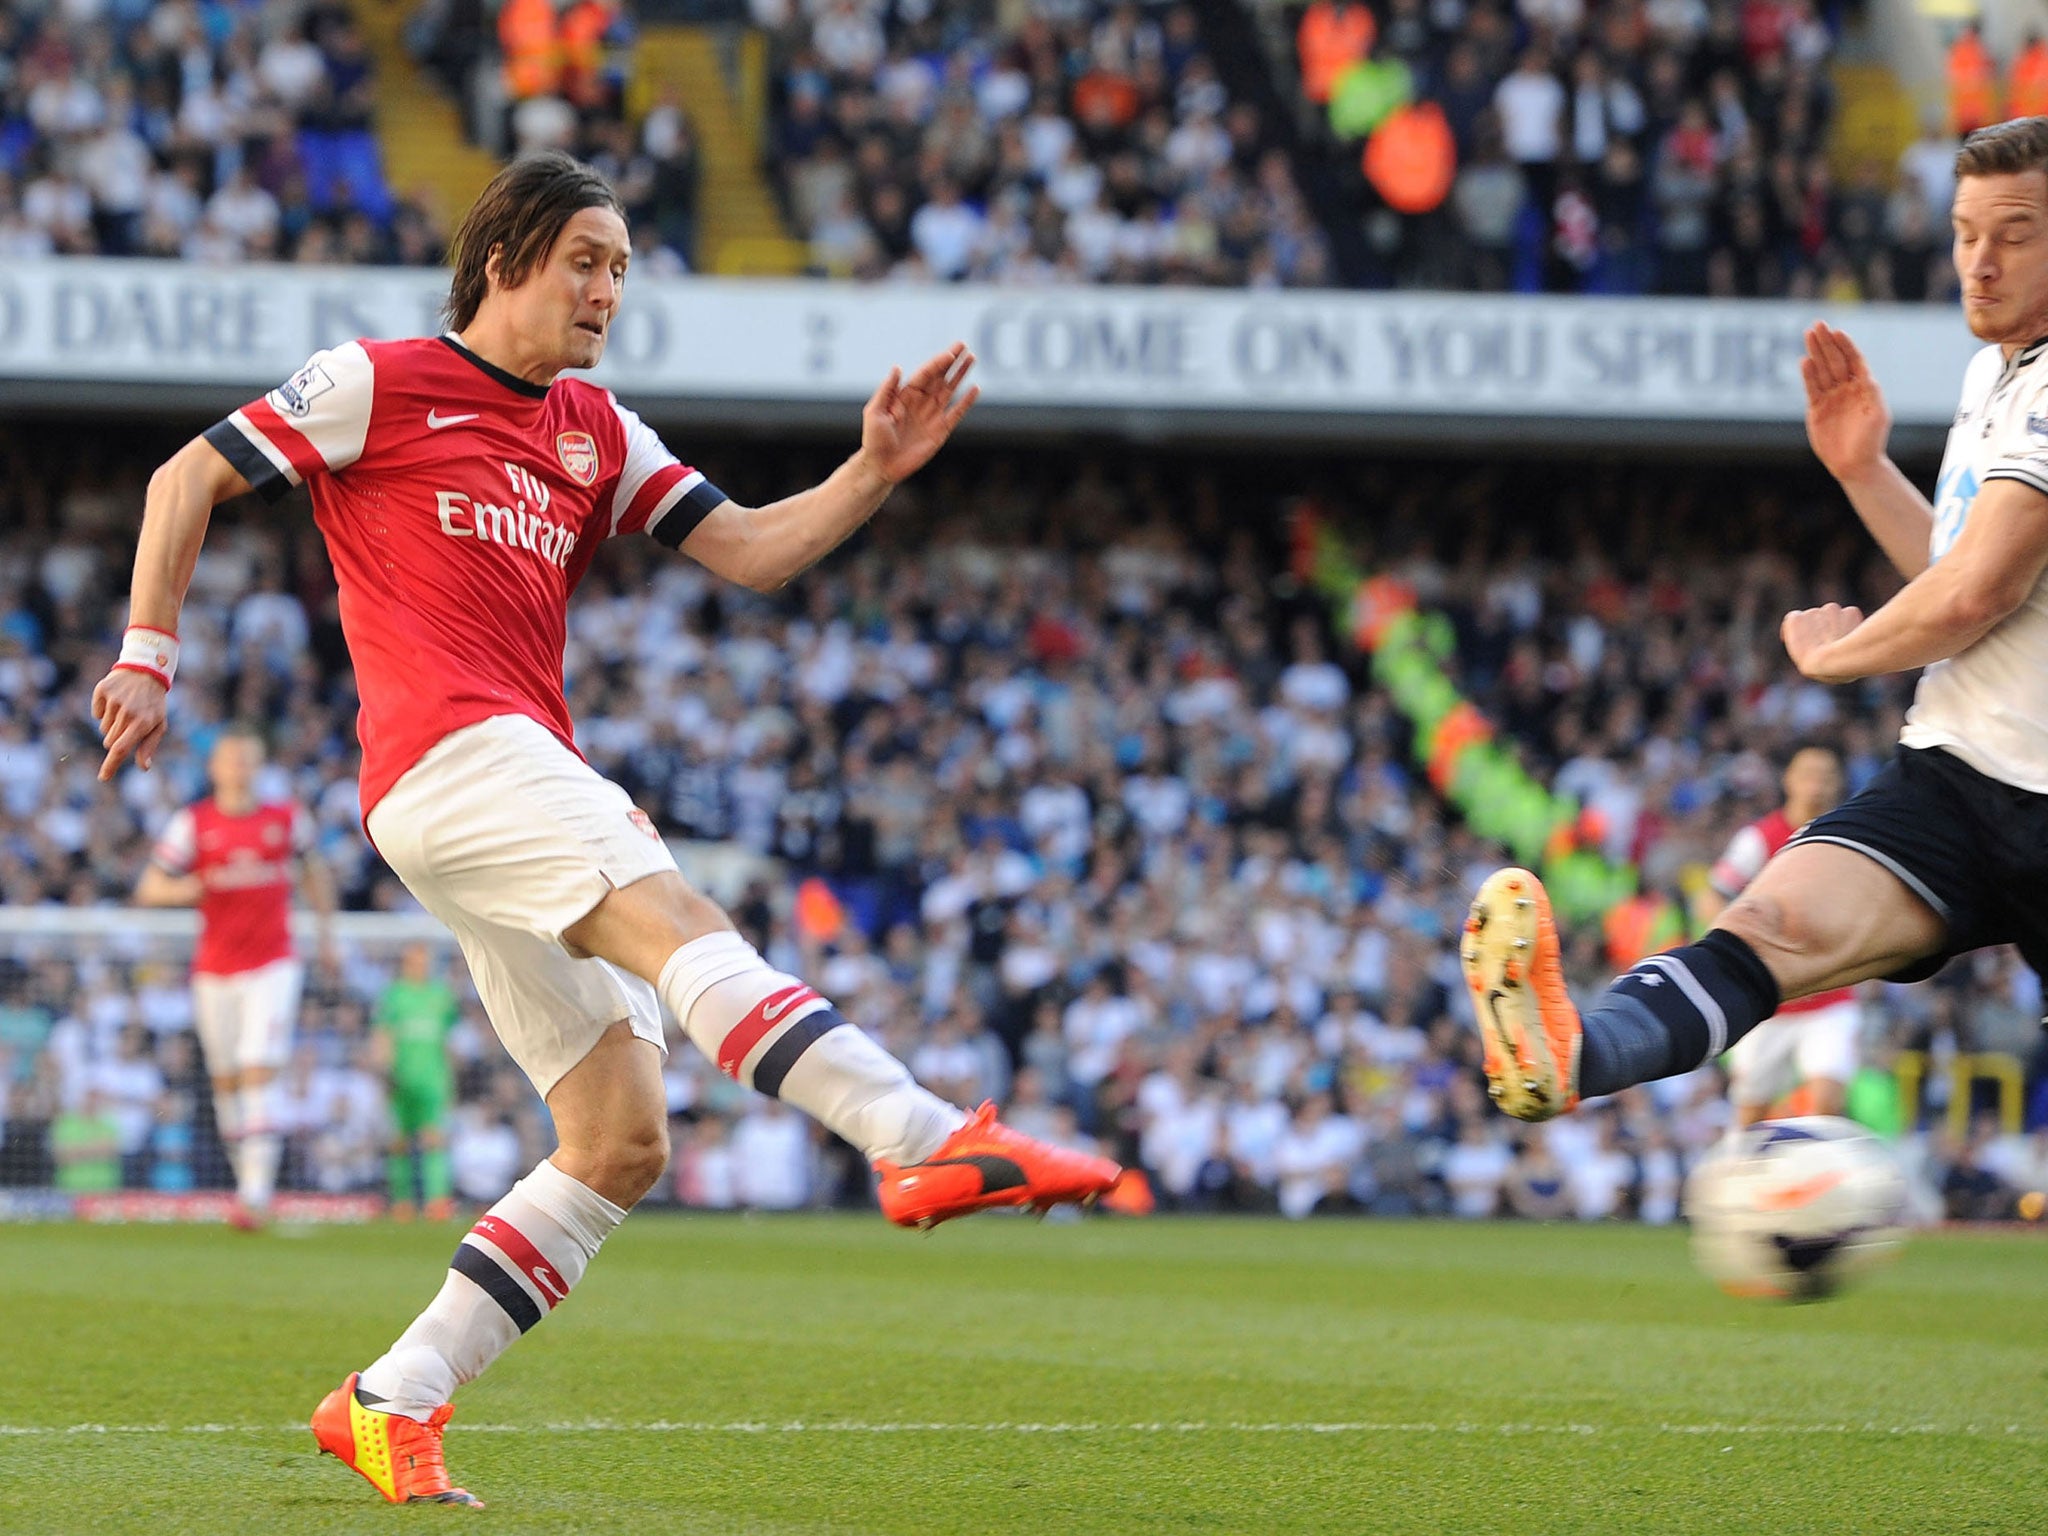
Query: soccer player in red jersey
231, 857
1811, 1043
462, 487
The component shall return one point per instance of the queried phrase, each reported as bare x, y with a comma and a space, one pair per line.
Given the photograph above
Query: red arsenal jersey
244, 864
1748, 852
460, 505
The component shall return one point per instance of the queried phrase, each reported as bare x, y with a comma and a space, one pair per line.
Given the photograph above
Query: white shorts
1793, 1048
508, 837
247, 1019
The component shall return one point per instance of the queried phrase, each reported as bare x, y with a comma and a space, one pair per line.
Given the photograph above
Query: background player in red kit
232, 857
1811, 1043
462, 487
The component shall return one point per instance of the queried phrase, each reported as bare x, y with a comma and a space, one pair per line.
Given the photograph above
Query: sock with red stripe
773, 1033
511, 1270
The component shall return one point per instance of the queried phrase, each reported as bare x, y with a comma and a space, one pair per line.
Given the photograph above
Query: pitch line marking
1025, 1427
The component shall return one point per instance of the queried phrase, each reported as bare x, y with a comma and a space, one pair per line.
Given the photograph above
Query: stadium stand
1674, 148
1680, 149
1075, 143
1078, 803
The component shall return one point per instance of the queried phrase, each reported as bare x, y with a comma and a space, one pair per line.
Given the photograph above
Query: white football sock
520, 1259
227, 1121
771, 1032
256, 1167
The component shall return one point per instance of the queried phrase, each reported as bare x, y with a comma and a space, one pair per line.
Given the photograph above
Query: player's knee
632, 1158
1772, 928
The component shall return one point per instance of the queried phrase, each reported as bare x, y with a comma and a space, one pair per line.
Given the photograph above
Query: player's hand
909, 420
1808, 632
1847, 421
129, 707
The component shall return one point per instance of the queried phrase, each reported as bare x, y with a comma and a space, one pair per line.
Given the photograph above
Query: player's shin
227, 1124
262, 1147
775, 1034
512, 1269
1674, 1012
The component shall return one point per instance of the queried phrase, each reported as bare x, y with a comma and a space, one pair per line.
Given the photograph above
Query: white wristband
154, 651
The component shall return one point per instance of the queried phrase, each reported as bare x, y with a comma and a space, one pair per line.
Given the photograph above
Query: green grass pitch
835, 1375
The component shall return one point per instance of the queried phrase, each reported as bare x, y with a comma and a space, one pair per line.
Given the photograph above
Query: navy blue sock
1674, 1012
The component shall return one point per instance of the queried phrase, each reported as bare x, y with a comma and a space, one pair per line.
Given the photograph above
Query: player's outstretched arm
1849, 425
1946, 609
316, 885
158, 887
904, 423
129, 701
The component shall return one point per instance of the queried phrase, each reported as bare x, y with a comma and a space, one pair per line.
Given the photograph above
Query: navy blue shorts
1973, 848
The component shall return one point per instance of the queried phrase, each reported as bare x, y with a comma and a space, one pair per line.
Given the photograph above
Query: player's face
2001, 255
571, 298
1813, 783
232, 766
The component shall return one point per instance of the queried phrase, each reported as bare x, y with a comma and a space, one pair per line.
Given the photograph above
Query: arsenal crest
578, 453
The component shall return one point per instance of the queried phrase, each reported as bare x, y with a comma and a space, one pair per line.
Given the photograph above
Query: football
1793, 1209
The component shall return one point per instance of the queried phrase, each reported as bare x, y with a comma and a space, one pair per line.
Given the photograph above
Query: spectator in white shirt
1474, 1171
771, 1153
1531, 103
243, 209
947, 232
1314, 1157
483, 1154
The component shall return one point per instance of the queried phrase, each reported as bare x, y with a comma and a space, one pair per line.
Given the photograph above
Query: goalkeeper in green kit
415, 1017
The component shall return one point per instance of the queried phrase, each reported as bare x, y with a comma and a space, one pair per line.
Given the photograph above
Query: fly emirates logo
521, 523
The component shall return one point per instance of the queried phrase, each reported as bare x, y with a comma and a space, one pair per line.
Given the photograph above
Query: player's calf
514, 1267
1673, 1012
770, 1031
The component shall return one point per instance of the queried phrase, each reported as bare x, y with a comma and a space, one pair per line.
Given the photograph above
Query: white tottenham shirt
1988, 705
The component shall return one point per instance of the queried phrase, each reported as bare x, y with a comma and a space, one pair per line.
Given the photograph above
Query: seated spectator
771, 1158
1314, 1158
1476, 1170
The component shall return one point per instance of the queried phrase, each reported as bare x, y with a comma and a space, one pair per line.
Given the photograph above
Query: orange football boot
986, 1164
397, 1456
1515, 973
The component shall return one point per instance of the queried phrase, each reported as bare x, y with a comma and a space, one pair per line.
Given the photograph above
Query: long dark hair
518, 218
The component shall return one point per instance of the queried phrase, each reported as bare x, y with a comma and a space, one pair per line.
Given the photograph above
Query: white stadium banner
1167, 361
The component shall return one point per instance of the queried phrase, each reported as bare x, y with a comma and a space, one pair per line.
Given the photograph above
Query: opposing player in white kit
1810, 1046
462, 487
232, 857
1946, 850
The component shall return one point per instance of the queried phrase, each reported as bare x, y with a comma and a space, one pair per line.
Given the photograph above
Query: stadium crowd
1679, 147
1036, 144
205, 132
1069, 798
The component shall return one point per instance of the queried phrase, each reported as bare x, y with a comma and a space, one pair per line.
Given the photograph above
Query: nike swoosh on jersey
436, 422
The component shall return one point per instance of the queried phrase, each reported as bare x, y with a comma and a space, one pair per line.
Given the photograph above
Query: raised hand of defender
129, 707
1847, 421
909, 420
1807, 632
